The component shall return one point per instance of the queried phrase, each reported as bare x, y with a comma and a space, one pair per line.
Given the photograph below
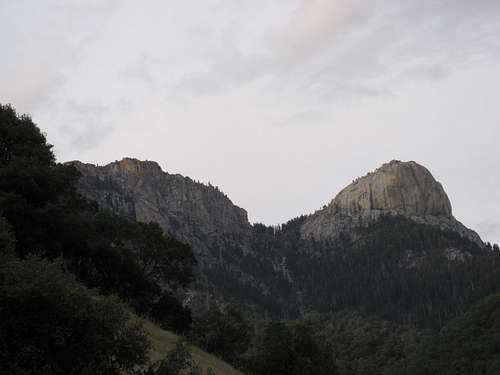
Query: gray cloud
43, 40
303, 117
85, 124
335, 48
138, 70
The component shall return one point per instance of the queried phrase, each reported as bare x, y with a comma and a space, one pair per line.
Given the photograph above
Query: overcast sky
281, 103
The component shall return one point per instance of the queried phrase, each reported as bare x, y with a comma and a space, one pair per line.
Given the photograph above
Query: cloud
138, 70
42, 40
355, 48
316, 24
78, 126
85, 124
310, 117
430, 72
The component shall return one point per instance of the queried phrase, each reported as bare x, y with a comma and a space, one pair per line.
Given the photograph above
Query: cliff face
406, 188
198, 214
396, 188
205, 218
280, 269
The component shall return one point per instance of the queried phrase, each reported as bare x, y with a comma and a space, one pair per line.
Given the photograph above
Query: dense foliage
352, 343
396, 268
363, 344
222, 331
289, 349
6, 241
51, 324
133, 260
469, 345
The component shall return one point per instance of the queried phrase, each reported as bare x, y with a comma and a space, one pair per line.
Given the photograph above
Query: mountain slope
387, 244
195, 213
163, 341
217, 230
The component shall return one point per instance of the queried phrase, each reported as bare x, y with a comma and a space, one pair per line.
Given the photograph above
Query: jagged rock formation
198, 214
397, 188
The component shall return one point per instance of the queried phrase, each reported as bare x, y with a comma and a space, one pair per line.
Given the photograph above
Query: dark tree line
354, 343
51, 324
395, 268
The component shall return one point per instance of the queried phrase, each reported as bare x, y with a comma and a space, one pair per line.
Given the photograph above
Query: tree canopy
51, 324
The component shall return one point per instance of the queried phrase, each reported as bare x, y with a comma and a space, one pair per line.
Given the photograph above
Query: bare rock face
192, 212
397, 188
406, 188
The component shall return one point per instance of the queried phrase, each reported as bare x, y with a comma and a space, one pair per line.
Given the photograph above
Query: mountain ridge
191, 211
289, 269
132, 166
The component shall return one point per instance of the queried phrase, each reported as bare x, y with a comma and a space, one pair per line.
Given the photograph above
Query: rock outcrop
280, 270
201, 215
406, 188
396, 188
195, 213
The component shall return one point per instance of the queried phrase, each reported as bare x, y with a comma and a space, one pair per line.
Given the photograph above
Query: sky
280, 103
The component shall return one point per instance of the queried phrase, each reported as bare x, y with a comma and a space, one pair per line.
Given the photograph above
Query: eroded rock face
406, 188
403, 188
198, 214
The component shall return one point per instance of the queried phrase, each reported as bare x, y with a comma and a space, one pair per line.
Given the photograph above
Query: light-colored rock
398, 188
406, 188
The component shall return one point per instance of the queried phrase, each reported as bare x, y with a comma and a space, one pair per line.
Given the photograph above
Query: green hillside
163, 341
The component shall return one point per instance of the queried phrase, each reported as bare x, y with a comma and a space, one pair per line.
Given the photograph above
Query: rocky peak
193, 212
120, 168
402, 188
134, 166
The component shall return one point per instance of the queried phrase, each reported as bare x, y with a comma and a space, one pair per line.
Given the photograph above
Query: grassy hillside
163, 341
